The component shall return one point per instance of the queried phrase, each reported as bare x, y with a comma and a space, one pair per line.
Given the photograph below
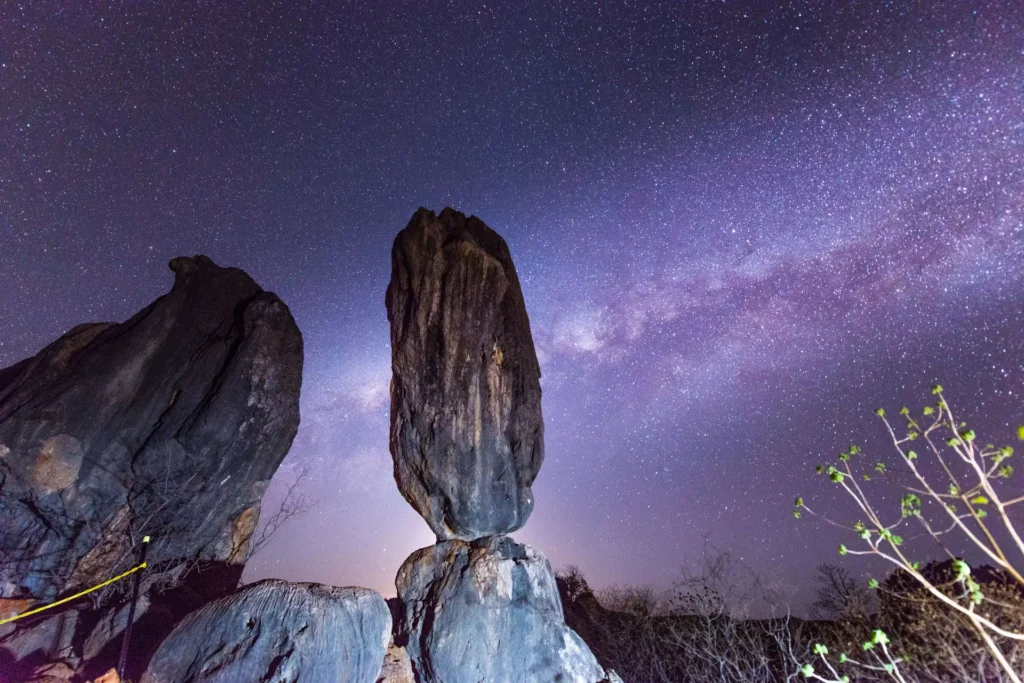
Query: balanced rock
275, 631
466, 427
487, 610
170, 424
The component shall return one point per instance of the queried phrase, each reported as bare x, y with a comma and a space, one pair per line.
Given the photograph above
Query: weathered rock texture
487, 611
397, 668
170, 424
276, 631
466, 427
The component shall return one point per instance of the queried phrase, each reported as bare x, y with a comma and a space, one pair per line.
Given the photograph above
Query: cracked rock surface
280, 632
488, 610
170, 424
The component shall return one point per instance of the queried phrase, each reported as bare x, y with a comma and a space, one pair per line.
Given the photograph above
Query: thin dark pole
131, 611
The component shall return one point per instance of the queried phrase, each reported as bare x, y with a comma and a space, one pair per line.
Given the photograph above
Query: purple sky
739, 227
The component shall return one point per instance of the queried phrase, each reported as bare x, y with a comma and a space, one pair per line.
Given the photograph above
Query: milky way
739, 228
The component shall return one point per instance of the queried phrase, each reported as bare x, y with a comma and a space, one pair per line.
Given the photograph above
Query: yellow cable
106, 583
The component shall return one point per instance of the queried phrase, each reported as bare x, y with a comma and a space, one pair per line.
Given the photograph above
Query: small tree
953, 491
840, 596
294, 505
575, 586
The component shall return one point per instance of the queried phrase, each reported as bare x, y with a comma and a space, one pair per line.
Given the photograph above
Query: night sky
739, 229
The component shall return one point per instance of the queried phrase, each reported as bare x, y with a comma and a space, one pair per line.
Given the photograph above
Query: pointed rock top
457, 225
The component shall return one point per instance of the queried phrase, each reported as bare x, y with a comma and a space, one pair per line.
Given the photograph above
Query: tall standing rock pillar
468, 440
466, 426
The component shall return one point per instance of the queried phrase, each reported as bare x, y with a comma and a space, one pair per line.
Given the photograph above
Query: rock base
279, 631
487, 610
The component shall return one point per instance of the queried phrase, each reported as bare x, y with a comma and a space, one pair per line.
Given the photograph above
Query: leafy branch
959, 493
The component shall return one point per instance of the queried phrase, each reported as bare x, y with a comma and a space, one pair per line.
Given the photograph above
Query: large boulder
170, 424
466, 427
487, 610
276, 631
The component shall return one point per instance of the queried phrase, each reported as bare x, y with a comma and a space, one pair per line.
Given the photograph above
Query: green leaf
799, 502
796, 514
911, 505
820, 649
928, 410
880, 412
953, 441
1005, 471
842, 658
889, 668
915, 566
968, 435
807, 670
865, 534
878, 637
911, 455
962, 569
979, 500
904, 411
981, 514
842, 549
880, 467
937, 389
872, 584
1020, 432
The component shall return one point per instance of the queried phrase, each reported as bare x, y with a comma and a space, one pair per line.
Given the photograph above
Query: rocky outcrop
466, 427
467, 440
275, 631
488, 610
170, 424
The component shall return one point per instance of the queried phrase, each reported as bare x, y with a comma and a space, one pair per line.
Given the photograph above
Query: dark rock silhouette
170, 424
278, 631
466, 427
488, 610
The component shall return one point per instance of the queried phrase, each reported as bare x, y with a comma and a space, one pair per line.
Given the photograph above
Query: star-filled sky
739, 227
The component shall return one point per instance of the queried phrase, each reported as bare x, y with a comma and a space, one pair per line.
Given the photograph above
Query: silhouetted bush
704, 629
